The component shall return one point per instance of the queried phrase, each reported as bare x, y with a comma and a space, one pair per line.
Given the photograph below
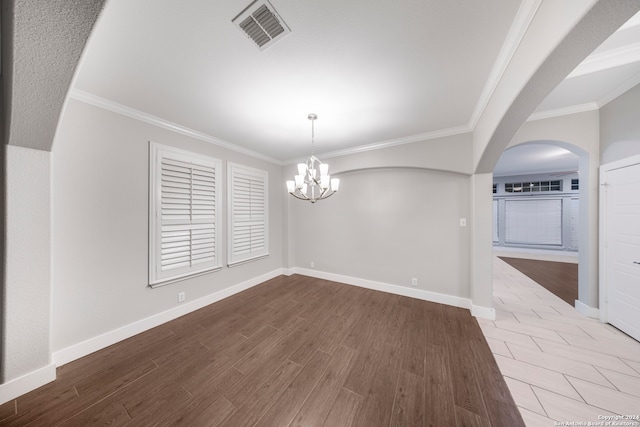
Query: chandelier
313, 182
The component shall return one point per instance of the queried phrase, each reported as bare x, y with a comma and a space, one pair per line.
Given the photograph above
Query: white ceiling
612, 69
374, 71
530, 159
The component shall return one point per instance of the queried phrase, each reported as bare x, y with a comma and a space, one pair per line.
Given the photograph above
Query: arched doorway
545, 185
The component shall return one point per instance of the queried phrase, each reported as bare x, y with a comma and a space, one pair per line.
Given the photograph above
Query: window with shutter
248, 213
533, 221
183, 223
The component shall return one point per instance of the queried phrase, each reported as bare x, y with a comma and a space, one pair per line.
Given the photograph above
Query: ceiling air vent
261, 23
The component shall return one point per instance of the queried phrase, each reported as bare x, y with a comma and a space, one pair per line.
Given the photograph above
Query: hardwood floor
559, 278
292, 351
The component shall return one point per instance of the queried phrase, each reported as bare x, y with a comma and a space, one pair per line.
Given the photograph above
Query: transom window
532, 187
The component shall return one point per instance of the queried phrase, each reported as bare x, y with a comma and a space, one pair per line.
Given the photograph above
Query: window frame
524, 224
158, 153
263, 177
575, 184
533, 186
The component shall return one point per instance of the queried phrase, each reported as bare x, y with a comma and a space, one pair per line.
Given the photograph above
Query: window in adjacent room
532, 187
533, 221
575, 184
248, 213
183, 214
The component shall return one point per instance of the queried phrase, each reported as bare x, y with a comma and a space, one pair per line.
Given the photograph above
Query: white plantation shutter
496, 223
533, 221
183, 231
248, 218
575, 223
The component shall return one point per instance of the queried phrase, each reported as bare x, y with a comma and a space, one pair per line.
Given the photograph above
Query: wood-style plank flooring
559, 278
293, 351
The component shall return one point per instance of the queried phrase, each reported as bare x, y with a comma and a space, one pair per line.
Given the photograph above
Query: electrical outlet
414, 281
181, 296
463, 222
313, 264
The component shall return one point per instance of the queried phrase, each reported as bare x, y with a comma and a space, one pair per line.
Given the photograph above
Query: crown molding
97, 101
619, 90
389, 143
612, 58
634, 21
115, 107
521, 22
565, 111
590, 106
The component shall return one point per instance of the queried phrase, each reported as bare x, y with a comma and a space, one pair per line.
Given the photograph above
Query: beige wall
25, 339
100, 295
100, 225
580, 134
449, 153
393, 219
620, 127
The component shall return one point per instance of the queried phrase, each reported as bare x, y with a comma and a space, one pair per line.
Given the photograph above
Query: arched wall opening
388, 225
587, 276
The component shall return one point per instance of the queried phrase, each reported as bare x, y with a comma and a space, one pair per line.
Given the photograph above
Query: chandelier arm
328, 195
298, 197
311, 180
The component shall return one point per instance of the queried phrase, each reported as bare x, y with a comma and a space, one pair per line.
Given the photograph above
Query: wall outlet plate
414, 281
181, 296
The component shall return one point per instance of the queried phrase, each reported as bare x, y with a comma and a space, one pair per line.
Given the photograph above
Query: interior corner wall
26, 294
390, 223
100, 177
620, 127
481, 283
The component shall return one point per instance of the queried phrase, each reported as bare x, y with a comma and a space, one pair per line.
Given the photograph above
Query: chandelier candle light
313, 181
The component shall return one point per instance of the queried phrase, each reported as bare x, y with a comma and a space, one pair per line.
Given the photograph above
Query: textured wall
47, 42
28, 266
561, 35
42, 42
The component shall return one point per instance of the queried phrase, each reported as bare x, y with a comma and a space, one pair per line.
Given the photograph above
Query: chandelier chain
312, 136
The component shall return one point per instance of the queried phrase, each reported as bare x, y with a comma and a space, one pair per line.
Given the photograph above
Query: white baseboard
24, 384
19, 386
477, 311
488, 313
587, 310
91, 345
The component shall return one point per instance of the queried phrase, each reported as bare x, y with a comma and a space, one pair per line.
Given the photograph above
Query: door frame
602, 229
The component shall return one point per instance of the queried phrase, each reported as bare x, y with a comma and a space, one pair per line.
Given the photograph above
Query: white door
623, 249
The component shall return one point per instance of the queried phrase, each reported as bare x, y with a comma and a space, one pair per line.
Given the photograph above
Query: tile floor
559, 365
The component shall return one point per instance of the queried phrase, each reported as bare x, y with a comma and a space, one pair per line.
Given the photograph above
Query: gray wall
81, 269
41, 45
390, 223
620, 127
578, 133
26, 328
100, 225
